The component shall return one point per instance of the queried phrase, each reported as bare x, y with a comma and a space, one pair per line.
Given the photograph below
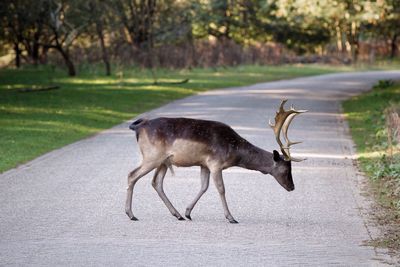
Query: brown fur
213, 140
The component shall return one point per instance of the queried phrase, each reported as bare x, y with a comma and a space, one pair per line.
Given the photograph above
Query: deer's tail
134, 126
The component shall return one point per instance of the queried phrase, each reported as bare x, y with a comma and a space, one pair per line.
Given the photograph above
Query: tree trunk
393, 46
43, 55
104, 51
36, 46
194, 59
62, 41
68, 61
35, 52
355, 49
354, 41
70, 65
17, 55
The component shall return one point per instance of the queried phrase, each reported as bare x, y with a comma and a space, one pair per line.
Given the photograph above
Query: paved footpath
67, 207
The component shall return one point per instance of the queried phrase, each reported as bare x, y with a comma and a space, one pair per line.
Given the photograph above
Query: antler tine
286, 125
281, 108
270, 124
283, 119
285, 128
289, 143
297, 160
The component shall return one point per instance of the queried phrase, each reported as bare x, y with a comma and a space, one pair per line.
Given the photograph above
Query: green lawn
36, 122
365, 114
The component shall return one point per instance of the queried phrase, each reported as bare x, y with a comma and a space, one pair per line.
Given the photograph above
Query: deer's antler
283, 119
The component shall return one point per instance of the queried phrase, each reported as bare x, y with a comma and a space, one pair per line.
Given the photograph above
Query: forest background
206, 33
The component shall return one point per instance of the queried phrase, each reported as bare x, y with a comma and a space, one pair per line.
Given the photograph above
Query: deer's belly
187, 153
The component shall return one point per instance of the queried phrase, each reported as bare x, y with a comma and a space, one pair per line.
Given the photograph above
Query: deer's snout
290, 188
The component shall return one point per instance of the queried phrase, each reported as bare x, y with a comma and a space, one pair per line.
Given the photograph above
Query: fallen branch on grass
38, 89
168, 83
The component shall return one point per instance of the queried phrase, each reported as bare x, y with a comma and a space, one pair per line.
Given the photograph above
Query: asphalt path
67, 207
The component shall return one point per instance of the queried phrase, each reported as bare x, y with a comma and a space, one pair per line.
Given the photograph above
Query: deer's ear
277, 157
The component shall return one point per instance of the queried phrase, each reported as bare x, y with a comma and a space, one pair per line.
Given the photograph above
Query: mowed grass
378, 159
366, 116
36, 122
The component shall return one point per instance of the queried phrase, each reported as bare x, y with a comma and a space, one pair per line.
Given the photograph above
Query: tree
37, 26
23, 27
389, 25
137, 17
99, 19
65, 23
299, 24
34, 29
236, 20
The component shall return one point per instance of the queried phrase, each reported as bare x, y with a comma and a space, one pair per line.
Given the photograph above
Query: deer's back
189, 141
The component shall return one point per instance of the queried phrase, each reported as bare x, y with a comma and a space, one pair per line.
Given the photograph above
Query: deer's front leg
205, 179
219, 183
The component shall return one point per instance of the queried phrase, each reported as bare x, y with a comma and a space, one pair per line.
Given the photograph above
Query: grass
366, 116
36, 122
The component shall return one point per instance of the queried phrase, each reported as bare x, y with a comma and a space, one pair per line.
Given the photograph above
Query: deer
214, 146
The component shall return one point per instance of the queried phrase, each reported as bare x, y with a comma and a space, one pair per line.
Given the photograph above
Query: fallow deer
213, 146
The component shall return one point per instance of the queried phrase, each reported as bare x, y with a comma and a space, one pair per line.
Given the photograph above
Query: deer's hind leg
133, 177
157, 183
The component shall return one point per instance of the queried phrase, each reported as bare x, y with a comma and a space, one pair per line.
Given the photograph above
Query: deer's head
282, 166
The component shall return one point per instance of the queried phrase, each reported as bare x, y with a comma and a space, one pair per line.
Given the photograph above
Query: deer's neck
255, 158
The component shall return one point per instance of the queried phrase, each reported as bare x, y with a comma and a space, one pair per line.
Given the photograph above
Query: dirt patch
386, 218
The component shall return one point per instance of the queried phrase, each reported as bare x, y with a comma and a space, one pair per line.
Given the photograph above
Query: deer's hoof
130, 215
233, 221
187, 213
181, 218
